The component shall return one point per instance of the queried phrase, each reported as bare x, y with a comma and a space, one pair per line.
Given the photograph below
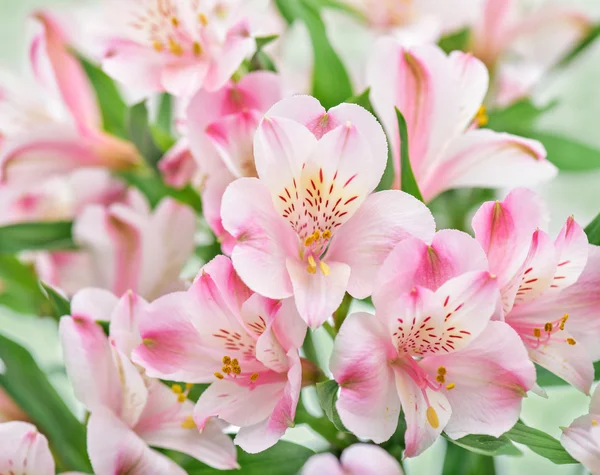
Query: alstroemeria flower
180, 46
441, 99
220, 129
65, 131
24, 451
130, 411
309, 225
582, 437
542, 296
431, 350
125, 246
358, 459
244, 344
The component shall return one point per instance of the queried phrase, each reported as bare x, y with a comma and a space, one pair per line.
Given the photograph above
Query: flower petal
94, 304
572, 248
24, 450
582, 440
474, 80
323, 463
124, 322
368, 459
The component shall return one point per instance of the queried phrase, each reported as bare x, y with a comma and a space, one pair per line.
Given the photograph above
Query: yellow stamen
432, 417
202, 19
219, 376
548, 327
571, 341
563, 321
326, 234
481, 117
175, 21
594, 422
312, 265
226, 369
196, 48
226, 360
181, 397
235, 362
441, 370
158, 46
440, 378
177, 389
148, 342
324, 268
188, 423
309, 240
450, 386
175, 47
237, 370
311, 270
189, 386
254, 377
537, 332
317, 234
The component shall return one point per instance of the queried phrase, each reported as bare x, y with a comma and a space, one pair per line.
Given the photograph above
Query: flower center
536, 335
231, 369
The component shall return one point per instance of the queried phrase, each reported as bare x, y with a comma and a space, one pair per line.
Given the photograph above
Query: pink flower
548, 287
582, 437
309, 225
39, 141
180, 46
220, 129
125, 246
178, 167
358, 459
431, 349
441, 99
24, 450
246, 345
130, 411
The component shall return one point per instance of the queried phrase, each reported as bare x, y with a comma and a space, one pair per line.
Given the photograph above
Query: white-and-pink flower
129, 410
441, 99
358, 459
431, 349
309, 226
246, 345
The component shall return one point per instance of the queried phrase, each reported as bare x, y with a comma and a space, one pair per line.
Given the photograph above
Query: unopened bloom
582, 437
309, 225
358, 459
180, 46
441, 99
246, 345
130, 411
125, 246
431, 350
24, 450
549, 287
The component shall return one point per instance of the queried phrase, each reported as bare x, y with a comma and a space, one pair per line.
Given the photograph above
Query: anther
219, 375
317, 234
432, 417
175, 21
235, 362
563, 321
548, 327
450, 386
571, 341
181, 397
441, 370
189, 386
537, 332
177, 389
226, 360
158, 46
324, 268
226, 369
440, 378
481, 117
326, 234
175, 47
309, 240
196, 48
202, 19
594, 422
237, 370
254, 377
188, 423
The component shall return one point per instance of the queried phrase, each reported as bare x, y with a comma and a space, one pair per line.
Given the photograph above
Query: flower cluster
192, 252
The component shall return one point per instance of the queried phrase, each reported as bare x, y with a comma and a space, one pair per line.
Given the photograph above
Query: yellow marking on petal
548, 327
148, 342
432, 417
197, 48
219, 375
537, 332
158, 46
254, 377
563, 321
188, 423
481, 117
450, 386
571, 341
202, 19
324, 268
326, 234
181, 397
177, 389
226, 360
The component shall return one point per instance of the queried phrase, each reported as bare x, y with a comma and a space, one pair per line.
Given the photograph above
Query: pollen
177, 389
188, 423
594, 422
158, 46
219, 376
175, 47
309, 240
235, 362
196, 48
432, 417
440, 378
237, 370
312, 265
181, 397
442, 370
450, 386
327, 234
324, 268
481, 117
189, 386
202, 19
226, 369
317, 234
537, 332
254, 377
563, 321
226, 360
175, 21
548, 327
571, 341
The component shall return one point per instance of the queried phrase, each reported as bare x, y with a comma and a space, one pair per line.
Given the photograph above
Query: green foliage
455, 41
19, 288
459, 461
593, 231
60, 305
35, 236
579, 48
164, 119
140, 133
541, 443
327, 393
486, 445
408, 183
28, 386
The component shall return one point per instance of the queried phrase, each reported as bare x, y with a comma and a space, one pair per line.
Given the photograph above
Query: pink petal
582, 440
572, 248
134, 392
264, 238
490, 377
288, 326
306, 110
368, 403
183, 78
212, 196
177, 166
94, 304
474, 80
124, 322
24, 450
595, 402
492, 33
114, 448
365, 240
323, 463
483, 158
368, 459
317, 295
162, 425
421, 429
89, 363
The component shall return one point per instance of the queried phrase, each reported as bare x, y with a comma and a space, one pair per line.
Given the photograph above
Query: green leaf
579, 48
408, 183
461, 461
163, 140
154, 189
51, 235
327, 393
165, 112
284, 458
140, 134
28, 386
455, 41
60, 305
520, 115
111, 103
262, 41
593, 231
19, 289
541, 443
486, 445
362, 100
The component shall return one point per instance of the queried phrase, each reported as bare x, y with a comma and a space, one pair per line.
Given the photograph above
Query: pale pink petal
264, 238
489, 379
367, 459
165, 423
595, 402
288, 326
115, 448
212, 196
134, 393
124, 322
368, 403
259, 90
415, 263
323, 463
426, 416
177, 166
492, 32
306, 110
183, 78
484, 158
367, 238
89, 363
582, 440
572, 249
473, 83
94, 304
24, 450
317, 295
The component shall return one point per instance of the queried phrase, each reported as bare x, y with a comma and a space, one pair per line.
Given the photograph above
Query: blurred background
577, 90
